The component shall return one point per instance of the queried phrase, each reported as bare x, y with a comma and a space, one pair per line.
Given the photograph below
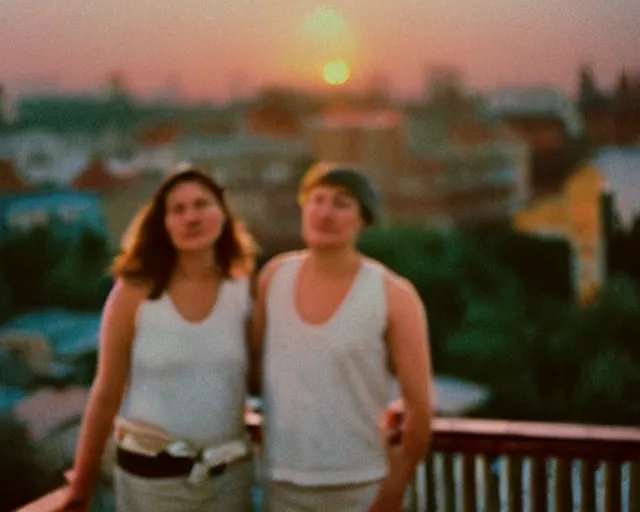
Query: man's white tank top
326, 385
189, 378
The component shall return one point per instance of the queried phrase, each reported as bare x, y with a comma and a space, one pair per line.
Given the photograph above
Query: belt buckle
200, 472
218, 469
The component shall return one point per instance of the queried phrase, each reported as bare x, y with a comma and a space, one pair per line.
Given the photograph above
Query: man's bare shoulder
269, 268
395, 284
401, 295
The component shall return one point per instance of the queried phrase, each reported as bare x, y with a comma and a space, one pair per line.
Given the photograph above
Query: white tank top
326, 385
189, 378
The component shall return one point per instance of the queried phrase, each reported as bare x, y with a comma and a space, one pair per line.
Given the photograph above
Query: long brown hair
148, 255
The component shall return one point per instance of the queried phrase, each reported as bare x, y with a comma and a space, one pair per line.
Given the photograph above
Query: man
333, 329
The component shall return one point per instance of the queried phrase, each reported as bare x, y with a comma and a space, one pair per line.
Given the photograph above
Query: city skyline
213, 51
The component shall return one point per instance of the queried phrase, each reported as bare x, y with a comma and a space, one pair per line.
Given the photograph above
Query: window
26, 220
275, 172
69, 214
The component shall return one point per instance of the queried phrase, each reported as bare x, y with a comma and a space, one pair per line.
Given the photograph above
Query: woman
173, 359
337, 328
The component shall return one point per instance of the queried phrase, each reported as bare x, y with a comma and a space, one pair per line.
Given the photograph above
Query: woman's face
193, 216
331, 218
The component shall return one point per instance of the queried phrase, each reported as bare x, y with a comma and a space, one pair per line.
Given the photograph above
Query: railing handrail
500, 437
536, 429
490, 437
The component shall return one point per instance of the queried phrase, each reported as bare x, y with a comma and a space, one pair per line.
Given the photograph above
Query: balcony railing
502, 465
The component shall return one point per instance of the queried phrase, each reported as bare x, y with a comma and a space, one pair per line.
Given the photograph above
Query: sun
336, 72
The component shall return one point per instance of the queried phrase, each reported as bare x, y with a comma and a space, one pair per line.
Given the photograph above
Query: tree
6, 298
430, 260
597, 352
623, 252
500, 314
542, 265
42, 269
80, 280
27, 260
22, 477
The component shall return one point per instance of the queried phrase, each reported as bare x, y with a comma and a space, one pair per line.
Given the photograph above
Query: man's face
331, 217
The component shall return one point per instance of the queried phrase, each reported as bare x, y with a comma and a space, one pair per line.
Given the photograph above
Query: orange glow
322, 36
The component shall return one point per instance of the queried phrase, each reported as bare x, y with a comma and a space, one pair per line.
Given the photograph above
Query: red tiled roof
9, 179
471, 133
160, 134
274, 120
341, 117
422, 167
96, 177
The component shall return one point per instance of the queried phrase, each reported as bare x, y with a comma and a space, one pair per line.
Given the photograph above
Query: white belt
208, 458
148, 440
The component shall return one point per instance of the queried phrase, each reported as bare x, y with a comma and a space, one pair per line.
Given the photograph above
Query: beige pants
228, 492
287, 497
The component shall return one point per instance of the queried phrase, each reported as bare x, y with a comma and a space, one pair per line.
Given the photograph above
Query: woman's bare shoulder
127, 293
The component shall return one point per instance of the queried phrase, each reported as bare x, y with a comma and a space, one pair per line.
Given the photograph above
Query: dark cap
354, 180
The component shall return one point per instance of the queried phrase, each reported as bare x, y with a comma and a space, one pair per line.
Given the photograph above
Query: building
47, 158
68, 213
274, 117
620, 169
10, 181
262, 176
463, 170
373, 140
549, 123
4, 110
579, 213
437, 164
120, 205
611, 117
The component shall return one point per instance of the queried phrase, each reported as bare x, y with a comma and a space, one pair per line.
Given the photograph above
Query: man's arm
408, 344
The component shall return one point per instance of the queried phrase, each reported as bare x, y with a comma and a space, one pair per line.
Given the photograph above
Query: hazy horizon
218, 51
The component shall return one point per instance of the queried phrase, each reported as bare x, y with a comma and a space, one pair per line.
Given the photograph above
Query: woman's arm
409, 350
258, 323
115, 342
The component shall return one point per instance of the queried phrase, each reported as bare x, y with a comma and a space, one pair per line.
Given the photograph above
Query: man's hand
390, 424
391, 492
386, 502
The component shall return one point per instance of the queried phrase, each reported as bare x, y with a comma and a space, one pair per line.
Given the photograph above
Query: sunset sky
216, 50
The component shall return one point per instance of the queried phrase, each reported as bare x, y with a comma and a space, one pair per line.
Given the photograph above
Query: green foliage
597, 354
41, 270
22, 477
27, 260
79, 280
623, 252
500, 313
6, 298
431, 262
609, 383
542, 265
